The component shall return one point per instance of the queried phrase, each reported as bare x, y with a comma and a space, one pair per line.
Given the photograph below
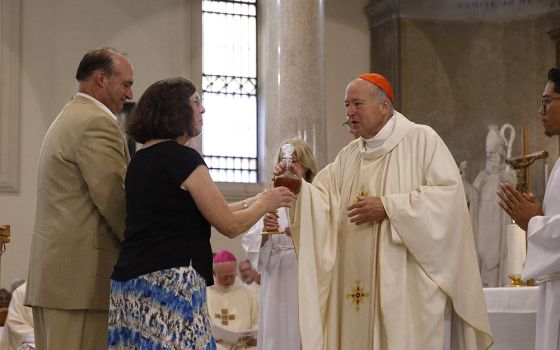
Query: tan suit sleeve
102, 159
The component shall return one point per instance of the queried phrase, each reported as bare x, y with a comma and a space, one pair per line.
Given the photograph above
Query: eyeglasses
347, 124
127, 85
545, 101
197, 101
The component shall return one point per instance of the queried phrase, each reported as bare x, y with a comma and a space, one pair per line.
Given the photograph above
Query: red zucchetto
223, 256
379, 81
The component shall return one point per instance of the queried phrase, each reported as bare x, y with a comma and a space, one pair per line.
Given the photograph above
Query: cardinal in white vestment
231, 305
384, 241
542, 224
18, 329
275, 259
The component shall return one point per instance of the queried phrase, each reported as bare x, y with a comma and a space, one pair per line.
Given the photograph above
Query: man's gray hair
382, 97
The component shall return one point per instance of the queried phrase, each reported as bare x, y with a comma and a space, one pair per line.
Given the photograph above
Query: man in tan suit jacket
80, 217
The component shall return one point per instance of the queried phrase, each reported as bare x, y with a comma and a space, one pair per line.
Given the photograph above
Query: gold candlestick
516, 280
4, 237
5, 233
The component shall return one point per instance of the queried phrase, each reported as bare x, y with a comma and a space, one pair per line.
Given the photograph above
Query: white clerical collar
98, 104
381, 136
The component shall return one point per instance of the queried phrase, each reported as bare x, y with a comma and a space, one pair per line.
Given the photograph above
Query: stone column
10, 86
555, 36
291, 78
383, 18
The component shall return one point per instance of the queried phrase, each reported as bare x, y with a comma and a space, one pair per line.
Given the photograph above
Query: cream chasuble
371, 287
235, 309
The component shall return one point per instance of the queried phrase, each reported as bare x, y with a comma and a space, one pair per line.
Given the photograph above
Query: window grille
229, 87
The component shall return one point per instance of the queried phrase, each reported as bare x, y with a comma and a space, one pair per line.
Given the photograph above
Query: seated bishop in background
18, 329
231, 305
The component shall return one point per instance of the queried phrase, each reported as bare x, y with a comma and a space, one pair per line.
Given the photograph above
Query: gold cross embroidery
362, 193
225, 317
358, 295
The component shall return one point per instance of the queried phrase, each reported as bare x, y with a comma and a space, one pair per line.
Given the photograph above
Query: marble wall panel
461, 76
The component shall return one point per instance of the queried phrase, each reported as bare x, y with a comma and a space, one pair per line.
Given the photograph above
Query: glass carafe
287, 179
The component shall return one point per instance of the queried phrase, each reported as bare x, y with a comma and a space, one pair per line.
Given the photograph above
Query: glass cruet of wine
288, 178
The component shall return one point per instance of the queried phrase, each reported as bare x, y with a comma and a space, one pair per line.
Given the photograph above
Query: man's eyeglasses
347, 124
545, 101
127, 85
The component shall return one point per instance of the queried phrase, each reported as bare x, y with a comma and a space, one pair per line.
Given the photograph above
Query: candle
517, 249
545, 172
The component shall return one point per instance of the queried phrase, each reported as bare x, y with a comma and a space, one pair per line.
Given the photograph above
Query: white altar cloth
513, 314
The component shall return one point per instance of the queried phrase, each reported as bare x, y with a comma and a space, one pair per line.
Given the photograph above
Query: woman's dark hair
99, 59
554, 76
163, 112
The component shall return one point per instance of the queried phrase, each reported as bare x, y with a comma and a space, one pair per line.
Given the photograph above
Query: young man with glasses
542, 223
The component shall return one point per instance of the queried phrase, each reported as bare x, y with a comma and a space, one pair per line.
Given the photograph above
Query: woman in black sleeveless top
158, 286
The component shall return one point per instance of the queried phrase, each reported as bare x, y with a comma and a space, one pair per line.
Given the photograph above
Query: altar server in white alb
275, 259
542, 223
383, 237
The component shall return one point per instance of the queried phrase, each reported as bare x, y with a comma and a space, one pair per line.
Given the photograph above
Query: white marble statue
488, 220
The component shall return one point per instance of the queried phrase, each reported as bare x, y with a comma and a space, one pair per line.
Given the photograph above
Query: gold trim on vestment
225, 317
358, 295
362, 193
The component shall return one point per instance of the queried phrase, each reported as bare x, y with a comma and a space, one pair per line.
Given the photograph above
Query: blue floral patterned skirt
160, 310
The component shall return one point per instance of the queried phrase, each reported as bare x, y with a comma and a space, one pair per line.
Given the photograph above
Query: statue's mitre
495, 143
